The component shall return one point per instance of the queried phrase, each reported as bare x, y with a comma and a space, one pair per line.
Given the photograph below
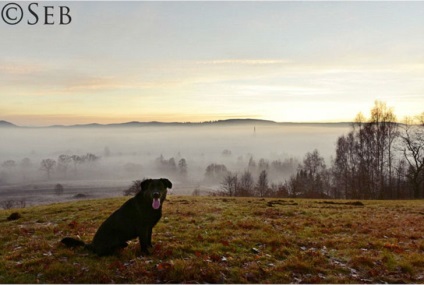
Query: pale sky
199, 61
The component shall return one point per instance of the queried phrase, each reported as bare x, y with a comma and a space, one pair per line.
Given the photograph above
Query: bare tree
413, 151
216, 172
7, 204
251, 165
364, 158
9, 165
76, 160
8, 173
229, 185
47, 166
246, 184
262, 184
182, 168
342, 172
313, 163
263, 165
90, 158
385, 128
134, 188
279, 190
401, 174
295, 185
167, 166
25, 165
63, 163
315, 168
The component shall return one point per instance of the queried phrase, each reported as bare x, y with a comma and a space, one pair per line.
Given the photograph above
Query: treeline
171, 167
378, 159
65, 165
310, 181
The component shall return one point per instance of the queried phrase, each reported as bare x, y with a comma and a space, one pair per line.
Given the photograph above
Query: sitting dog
135, 218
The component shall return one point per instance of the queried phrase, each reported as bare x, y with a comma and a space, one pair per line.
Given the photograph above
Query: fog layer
122, 155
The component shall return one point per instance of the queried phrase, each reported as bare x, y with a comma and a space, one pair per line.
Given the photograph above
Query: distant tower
254, 131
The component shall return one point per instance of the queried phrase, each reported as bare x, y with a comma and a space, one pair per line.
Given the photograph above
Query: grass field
224, 240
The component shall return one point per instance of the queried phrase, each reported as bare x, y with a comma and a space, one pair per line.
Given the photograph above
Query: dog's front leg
149, 237
143, 238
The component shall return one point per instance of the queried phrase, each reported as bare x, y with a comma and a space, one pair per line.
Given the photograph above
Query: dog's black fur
135, 218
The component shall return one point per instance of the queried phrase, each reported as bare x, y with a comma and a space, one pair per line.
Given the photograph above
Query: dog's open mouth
156, 203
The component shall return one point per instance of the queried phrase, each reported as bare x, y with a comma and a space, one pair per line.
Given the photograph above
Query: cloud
16, 68
243, 61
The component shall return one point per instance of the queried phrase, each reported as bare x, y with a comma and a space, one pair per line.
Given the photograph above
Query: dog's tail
72, 242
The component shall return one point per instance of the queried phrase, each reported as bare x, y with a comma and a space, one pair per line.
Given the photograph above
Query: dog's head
154, 191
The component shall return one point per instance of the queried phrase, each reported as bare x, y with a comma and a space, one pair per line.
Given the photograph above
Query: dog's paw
144, 251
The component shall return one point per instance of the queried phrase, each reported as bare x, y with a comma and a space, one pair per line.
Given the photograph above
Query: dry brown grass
224, 240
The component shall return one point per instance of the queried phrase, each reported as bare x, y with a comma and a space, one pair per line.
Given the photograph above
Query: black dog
135, 218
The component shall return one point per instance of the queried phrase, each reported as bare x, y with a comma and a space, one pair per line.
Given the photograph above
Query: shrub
58, 189
134, 188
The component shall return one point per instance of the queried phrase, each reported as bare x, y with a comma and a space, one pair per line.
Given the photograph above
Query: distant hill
119, 125
155, 123
228, 122
5, 124
241, 122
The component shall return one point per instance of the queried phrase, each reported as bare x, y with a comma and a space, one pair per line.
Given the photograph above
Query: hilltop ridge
157, 123
6, 124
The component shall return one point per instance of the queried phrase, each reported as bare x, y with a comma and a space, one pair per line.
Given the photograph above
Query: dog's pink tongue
156, 204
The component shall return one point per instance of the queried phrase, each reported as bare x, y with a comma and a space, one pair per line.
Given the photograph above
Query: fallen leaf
73, 224
157, 247
164, 266
117, 265
215, 257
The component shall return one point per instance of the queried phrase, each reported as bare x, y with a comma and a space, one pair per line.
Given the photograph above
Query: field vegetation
223, 240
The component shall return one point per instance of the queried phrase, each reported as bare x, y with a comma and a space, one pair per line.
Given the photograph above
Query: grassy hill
224, 240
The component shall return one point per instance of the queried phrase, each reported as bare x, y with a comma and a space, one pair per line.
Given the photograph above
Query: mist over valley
102, 160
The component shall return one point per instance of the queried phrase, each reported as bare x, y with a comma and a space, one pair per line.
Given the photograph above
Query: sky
200, 61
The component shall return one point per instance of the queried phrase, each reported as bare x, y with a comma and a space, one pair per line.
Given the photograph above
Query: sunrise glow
200, 61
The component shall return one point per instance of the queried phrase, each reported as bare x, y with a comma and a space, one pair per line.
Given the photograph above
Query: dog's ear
145, 184
166, 182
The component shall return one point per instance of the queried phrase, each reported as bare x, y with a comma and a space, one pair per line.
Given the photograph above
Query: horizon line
229, 120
